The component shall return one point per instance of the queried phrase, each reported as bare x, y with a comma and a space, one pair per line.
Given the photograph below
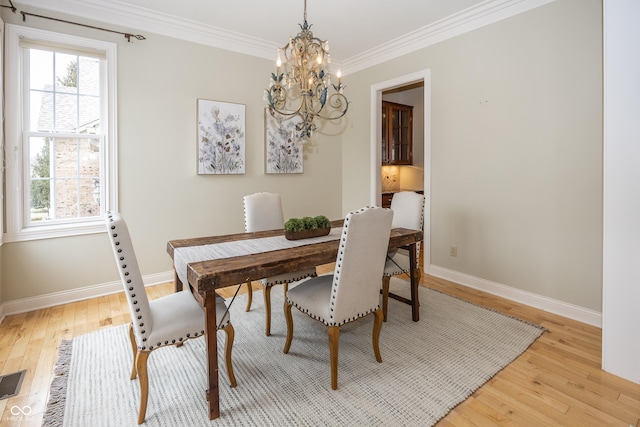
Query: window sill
55, 231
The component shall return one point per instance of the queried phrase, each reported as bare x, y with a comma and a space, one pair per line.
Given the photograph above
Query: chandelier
303, 80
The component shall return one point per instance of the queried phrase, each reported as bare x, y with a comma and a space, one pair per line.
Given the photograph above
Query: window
61, 173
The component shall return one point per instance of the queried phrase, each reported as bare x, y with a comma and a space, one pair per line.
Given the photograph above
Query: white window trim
16, 230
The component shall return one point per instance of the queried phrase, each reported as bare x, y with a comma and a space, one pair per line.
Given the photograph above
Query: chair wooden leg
334, 334
141, 365
267, 310
289, 318
377, 327
227, 353
385, 295
249, 296
134, 348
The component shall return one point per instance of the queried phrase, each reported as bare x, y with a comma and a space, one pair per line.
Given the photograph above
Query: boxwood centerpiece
306, 227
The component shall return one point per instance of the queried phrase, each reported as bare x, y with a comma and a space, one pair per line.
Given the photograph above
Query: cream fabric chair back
359, 264
263, 211
408, 212
131, 278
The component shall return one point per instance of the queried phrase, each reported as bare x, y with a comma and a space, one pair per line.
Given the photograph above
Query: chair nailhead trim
125, 273
289, 280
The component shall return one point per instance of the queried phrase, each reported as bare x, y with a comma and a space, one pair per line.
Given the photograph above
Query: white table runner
183, 256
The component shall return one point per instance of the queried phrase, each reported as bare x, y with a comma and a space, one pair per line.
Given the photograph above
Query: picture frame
221, 137
283, 145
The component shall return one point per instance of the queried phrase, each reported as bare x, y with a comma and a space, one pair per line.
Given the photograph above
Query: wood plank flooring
557, 381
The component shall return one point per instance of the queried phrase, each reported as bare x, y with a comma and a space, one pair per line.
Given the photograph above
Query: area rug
428, 368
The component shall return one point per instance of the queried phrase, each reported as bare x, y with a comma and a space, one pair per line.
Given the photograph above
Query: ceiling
356, 29
351, 26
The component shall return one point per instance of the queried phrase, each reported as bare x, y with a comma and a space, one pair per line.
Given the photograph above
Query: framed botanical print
221, 138
283, 146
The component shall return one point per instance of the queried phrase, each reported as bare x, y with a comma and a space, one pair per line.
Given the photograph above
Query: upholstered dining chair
168, 320
353, 290
408, 212
263, 211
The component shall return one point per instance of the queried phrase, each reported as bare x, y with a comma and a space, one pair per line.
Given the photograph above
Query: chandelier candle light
304, 78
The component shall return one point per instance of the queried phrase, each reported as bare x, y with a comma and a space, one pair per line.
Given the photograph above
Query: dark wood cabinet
386, 200
397, 134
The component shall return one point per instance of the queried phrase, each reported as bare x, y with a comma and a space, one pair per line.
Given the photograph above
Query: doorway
423, 78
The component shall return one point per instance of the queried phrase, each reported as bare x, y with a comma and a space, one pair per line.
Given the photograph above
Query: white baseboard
581, 314
56, 298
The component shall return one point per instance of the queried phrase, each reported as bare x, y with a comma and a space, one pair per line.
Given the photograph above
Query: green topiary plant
322, 221
309, 223
294, 224
306, 227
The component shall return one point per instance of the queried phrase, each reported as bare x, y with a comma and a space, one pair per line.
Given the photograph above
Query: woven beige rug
428, 368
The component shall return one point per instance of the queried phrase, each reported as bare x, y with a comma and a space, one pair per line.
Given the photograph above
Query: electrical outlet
453, 250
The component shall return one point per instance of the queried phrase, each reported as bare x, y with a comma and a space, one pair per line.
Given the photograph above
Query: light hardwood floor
557, 381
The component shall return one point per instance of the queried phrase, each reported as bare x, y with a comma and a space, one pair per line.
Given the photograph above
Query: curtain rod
126, 35
12, 7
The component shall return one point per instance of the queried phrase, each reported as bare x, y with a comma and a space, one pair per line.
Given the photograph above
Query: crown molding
123, 15
139, 19
470, 19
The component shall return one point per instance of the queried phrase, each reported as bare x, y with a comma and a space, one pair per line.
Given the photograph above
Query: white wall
621, 269
516, 150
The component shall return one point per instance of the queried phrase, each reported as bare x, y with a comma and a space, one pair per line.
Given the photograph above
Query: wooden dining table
204, 276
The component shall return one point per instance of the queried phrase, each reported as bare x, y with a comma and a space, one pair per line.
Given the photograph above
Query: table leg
213, 395
177, 281
415, 304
